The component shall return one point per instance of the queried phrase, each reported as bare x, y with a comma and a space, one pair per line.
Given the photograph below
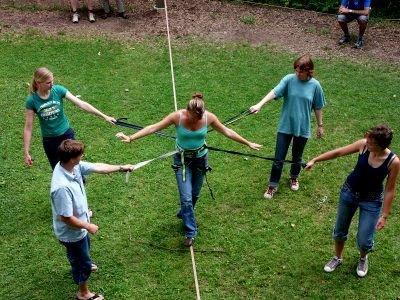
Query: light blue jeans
189, 183
368, 217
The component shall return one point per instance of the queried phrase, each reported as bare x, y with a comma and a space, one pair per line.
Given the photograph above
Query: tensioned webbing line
176, 108
170, 54
166, 135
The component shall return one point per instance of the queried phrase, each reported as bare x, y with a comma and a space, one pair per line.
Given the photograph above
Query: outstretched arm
342, 151
229, 133
390, 193
88, 108
256, 108
29, 116
107, 168
164, 123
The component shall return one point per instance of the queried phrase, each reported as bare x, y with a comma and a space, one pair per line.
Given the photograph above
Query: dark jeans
79, 258
50, 145
283, 141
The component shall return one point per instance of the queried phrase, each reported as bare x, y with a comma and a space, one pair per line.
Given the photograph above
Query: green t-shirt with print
50, 111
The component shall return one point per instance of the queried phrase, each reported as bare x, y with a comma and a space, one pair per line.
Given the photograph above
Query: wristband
121, 169
351, 11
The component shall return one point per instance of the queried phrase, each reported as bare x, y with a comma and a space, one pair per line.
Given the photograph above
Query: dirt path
296, 31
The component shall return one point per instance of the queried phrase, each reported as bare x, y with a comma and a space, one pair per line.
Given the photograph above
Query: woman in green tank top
190, 164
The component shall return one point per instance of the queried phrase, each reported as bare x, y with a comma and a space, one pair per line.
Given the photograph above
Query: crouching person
69, 204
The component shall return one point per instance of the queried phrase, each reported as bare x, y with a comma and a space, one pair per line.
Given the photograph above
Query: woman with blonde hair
190, 163
46, 101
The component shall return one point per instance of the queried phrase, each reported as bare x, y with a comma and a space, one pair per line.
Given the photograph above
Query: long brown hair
41, 75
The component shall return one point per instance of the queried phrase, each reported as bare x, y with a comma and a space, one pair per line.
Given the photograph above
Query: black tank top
366, 180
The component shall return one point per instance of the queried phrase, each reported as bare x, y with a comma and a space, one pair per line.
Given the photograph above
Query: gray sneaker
362, 268
344, 40
359, 44
75, 17
333, 264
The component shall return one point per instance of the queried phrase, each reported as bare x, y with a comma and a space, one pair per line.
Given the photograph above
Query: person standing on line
302, 94
191, 162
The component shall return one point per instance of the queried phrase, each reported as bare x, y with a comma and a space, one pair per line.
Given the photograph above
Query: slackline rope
170, 55
176, 109
196, 282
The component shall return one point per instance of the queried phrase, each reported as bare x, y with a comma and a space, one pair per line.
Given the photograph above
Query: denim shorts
347, 18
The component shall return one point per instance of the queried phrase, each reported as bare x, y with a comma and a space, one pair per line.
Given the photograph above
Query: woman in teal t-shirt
46, 101
302, 94
190, 163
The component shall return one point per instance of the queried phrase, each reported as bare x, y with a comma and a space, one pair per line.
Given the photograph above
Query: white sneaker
94, 267
362, 268
75, 18
91, 17
294, 184
269, 193
333, 264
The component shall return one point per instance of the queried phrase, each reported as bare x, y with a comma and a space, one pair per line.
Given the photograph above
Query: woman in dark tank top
364, 189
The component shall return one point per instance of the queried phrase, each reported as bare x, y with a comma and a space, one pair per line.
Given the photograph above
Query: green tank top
187, 139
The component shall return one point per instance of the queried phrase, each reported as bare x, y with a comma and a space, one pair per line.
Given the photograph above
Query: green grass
272, 249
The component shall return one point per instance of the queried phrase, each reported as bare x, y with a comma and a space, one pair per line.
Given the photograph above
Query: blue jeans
189, 186
283, 141
50, 145
368, 217
79, 258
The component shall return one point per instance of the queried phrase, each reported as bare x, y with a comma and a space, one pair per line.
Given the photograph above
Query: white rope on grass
196, 283
170, 55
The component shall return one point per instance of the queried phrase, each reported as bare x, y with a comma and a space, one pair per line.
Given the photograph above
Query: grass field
269, 249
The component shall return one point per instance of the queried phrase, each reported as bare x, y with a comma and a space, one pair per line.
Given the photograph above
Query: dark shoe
122, 15
344, 40
188, 242
359, 44
106, 15
179, 214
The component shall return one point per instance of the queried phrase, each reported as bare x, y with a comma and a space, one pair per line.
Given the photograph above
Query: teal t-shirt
300, 98
50, 111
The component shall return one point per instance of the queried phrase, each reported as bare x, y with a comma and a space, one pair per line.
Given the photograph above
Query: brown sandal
94, 297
